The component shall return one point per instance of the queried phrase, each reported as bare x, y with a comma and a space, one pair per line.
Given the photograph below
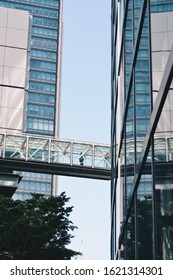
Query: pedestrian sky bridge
54, 156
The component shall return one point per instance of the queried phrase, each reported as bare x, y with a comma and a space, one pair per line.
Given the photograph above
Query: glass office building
43, 96
142, 130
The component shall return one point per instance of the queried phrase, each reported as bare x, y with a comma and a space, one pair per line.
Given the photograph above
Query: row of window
36, 186
143, 44
142, 87
43, 65
31, 9
36, 176
21, 196
142, 64
42, 87
36, 75
45, 32
143, 97
141, 110
39, 110
45, 21
142, 76
53, 3
40, 125
43, 54
44, 98
43, 43
141, 127
161, 7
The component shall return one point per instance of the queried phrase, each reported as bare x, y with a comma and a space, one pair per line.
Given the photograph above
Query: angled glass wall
43, 97
141, 184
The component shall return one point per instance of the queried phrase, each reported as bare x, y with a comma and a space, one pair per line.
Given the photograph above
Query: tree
35, 229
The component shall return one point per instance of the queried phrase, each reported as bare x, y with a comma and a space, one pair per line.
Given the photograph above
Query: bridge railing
38, 148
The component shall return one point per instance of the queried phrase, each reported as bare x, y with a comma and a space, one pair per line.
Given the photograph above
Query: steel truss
55, 156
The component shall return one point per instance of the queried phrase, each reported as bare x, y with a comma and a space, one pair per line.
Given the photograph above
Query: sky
85, 115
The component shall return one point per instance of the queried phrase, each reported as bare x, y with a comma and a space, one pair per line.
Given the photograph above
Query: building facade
42, 92
14, 57
142, 130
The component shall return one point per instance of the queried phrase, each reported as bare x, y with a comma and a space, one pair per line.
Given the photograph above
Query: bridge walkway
55, 156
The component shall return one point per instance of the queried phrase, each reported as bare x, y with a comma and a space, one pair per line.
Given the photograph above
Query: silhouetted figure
81, 159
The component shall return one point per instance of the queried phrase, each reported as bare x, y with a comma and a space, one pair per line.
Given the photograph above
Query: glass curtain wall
141, 184
162, 41
44, 90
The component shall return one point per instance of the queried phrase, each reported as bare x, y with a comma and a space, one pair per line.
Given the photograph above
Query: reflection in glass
144, 218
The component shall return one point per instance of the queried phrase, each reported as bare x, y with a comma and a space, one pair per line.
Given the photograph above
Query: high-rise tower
42, 104
142, 129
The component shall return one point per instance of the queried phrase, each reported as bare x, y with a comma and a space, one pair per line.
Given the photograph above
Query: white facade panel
11, 110
12, 98
160, 41
14, 77
171, 101
2, 54
15, 58
11, 119
18, 19
3, 16
3, 35
17, 38
164, 124
159, 24
1, 74
14, 34
157, 77
0, 95
170, 39
171, 120
160, 60
170, 21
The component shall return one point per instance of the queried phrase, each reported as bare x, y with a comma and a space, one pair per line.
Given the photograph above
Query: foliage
35, 229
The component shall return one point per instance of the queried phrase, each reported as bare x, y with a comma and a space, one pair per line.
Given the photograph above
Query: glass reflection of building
43, 98
142, 130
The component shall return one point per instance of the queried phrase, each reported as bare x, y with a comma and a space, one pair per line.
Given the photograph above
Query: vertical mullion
154, 226
134, 126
